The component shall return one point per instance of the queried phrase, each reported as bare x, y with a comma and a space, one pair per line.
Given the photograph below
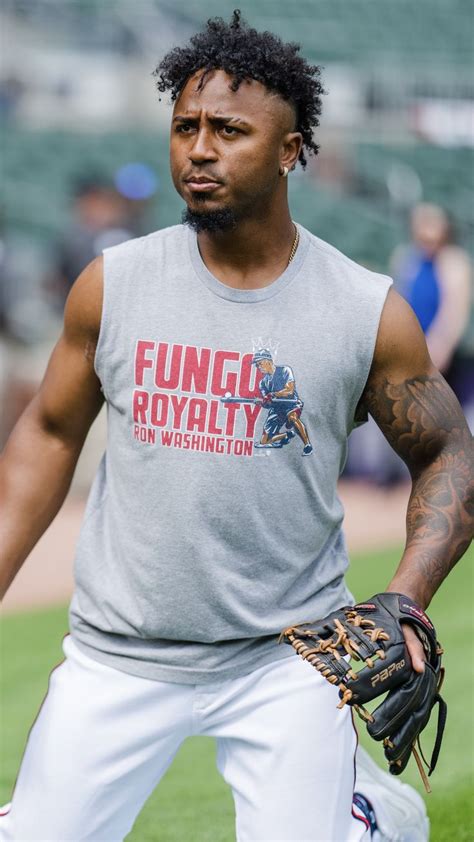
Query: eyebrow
215, 119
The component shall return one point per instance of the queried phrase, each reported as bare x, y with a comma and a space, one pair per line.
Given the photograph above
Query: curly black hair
245, 53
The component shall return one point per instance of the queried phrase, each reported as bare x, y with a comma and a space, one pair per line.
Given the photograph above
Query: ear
290, 149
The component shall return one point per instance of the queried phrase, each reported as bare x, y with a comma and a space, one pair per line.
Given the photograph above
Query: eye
229, 131
183, 128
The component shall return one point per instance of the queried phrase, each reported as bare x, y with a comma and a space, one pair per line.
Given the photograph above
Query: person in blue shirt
434, 275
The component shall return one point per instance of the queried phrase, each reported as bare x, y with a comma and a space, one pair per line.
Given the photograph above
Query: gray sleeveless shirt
198, 543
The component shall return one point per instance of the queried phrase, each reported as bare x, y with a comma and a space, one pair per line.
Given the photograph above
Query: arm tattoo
422, 420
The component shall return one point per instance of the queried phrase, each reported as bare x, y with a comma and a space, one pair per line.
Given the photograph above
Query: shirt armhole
368, 351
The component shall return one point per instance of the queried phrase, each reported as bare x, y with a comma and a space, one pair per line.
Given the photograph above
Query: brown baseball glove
371, 633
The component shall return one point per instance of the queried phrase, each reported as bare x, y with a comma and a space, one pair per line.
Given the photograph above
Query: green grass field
192, 803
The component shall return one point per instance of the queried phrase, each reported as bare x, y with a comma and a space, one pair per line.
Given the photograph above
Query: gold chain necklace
295, 245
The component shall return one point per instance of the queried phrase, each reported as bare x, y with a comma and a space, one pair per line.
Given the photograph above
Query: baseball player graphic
191, 562
278, 390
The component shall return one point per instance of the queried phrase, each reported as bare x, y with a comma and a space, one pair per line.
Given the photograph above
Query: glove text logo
387, 672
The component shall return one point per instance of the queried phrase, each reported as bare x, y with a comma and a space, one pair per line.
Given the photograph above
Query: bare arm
39, 459
421, 418
454, 270
287, 390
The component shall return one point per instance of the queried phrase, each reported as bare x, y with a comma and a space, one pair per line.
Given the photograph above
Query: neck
252, 255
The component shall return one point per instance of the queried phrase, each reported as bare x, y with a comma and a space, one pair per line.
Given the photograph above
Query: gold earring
284, 171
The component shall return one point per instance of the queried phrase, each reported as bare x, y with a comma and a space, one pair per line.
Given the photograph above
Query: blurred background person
434, 274
98, 220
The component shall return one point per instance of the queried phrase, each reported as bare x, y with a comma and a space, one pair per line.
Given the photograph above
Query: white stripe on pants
103, 739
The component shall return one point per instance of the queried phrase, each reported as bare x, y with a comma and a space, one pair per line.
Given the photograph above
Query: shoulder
400, 346
83, 310
343, 267
173, 236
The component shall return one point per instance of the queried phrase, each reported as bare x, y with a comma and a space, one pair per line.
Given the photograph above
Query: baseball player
278, 383
185, 572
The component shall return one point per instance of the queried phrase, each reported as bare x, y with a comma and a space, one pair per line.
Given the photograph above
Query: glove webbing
339, 640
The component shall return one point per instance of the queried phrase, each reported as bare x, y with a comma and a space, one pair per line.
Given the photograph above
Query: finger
415, 649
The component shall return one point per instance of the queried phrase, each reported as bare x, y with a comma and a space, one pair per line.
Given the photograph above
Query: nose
202, 149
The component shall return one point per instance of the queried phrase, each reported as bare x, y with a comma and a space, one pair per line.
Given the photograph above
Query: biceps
70, 395
420, 416
407, 396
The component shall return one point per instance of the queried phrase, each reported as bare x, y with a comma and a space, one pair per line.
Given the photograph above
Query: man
186, 571
278, 390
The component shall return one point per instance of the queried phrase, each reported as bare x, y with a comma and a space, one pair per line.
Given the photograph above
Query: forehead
251, 100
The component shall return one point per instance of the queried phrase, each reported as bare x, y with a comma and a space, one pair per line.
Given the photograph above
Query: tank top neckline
247, 296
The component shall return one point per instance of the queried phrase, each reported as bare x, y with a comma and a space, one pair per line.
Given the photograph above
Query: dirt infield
374, 518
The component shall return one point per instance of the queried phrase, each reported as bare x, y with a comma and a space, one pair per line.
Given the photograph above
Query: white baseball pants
103, 739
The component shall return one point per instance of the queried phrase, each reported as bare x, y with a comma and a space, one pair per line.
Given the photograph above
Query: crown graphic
265, 344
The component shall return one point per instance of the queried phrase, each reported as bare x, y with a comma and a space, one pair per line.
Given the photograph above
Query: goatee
222, 219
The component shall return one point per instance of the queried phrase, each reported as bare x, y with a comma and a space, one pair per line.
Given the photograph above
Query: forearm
439, 522
36, 469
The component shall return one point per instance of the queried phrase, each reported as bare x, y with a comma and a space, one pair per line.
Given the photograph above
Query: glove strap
442, 714
431, 765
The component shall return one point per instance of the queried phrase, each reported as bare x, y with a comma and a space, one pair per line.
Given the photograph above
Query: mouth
202, 184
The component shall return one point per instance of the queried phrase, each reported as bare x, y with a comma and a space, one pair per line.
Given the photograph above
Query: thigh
288, 754
273, 423
100, 743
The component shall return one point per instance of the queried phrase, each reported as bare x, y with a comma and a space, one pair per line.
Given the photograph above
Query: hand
415, 648
409, 684
268, 399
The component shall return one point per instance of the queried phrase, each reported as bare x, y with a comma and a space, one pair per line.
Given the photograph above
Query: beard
225, 218
220, 219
